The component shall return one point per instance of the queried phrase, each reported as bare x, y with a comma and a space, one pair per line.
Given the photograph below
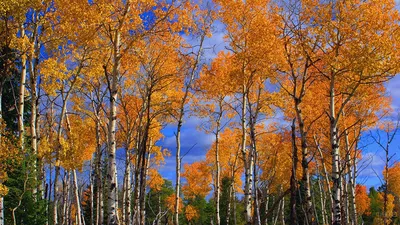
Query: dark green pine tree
19, 203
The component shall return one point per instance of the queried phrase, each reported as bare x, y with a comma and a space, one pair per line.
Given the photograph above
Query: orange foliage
170, 203
79, 144
394, 179
191, 213
229, 142
362, 199
275, 150
155, 180
198, 179
389, 209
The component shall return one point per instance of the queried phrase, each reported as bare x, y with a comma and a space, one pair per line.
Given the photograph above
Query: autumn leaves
104, 76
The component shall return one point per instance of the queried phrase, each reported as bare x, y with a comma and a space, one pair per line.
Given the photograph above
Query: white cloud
393, 88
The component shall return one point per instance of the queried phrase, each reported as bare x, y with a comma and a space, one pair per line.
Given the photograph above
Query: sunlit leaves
198, 179
362, 199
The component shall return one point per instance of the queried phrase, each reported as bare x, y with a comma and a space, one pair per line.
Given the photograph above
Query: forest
103, 103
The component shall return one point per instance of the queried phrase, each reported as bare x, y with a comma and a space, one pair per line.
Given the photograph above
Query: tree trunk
1, 210
33, 123
248, 161
1, 182
304, 163
98, 173
353, 187
349, 218
57, 164
336, 176
65, 201
91, 186
136, 192
266, 204
127, 199
234, 204
283, 210
228, 210
77, 200
327, 180
143, 183
112, 201
21, 100
217, 167
178, 171
386, 184
293, 179
159, 209
322, 196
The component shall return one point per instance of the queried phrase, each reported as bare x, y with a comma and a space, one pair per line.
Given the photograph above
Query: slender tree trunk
248, 161
98, 173
336, 176
352, 180
21, 100
283, 210
253, 112
91, 186
178, 171
228, 210
314, 203
276, 215
266, 205
304, 163
327, 180
124, 193
1, 182
127, 211
143, 182
349, 217
385, 192
112, 201
77, 200
33, 122
217, 167
65, 199
322, 196
234, 204
1, 210
293, 179
57, 164
136, 191
48, 195
159, 209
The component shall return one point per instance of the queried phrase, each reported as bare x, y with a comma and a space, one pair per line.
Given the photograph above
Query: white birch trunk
217, 167
1, 210
178, 172
336, 176
248, 162
112, 202
1, 197
21, 100
127, 210
91, 186
77, 199
304, 162
33, 122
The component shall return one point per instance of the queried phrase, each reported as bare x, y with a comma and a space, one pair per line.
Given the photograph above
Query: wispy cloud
393, 88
